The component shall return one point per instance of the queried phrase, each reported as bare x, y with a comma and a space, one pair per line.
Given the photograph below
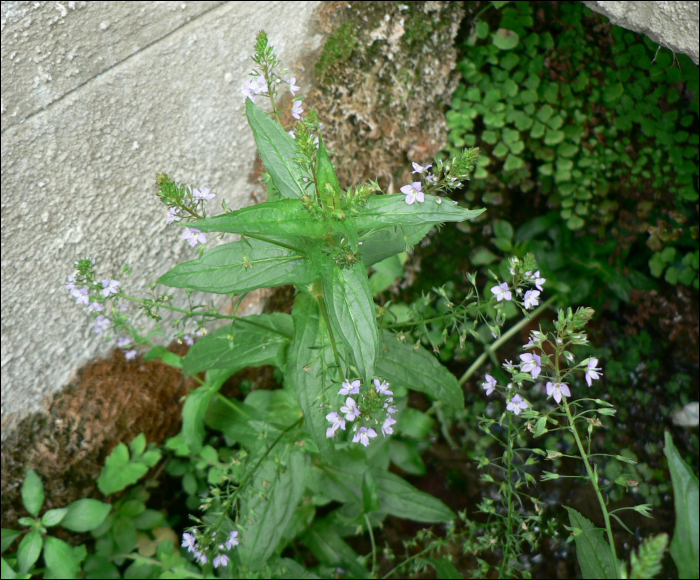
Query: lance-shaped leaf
399, 498
305, 369
328, 546
594, 554
278, 218
241, 266
392, 210
249, 342
279, 152
325, 174
417, 369
351, 311
385, 243
269, 503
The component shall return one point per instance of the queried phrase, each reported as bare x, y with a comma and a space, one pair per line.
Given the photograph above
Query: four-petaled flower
101, 324
517, 404
189, 541
387, 428
200, 557
502, 292
95, 307
382, 387
174, 215
350, 409
232, 540
293, 88
194, 236
254, 87
532, 363
220, 560
591, 371
130, 354
203, 195
430, 178
350, 388
413, 192
531, 299
124, 342
418, 169
70, 285
81, 295
338, 423
489, 385
110, 287
297, 110
556, 390
539, 282
364, 435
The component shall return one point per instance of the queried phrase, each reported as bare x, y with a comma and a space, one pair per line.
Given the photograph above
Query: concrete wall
96, 98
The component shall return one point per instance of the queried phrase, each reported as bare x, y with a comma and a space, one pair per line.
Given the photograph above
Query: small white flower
350, 409
364, 435
531, 364
350, 388
387, 428
502, 292
592, 373
531, 299
539, 281
232, 540
413, 193
489, 385
418, 169
556, 390
297, 110
382, 387
293, 88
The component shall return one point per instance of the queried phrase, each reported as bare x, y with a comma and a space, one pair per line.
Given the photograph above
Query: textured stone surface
671, 24
96, 98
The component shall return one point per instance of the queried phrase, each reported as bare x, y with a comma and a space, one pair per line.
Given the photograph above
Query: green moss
338, 49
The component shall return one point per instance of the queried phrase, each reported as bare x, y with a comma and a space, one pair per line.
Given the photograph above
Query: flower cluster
191, 542
370, 407
184, 202
523, 276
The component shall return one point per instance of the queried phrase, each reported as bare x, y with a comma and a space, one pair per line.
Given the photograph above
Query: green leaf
119, 472
328, 547
85, 515
8, 536
305, 366
405, 455
279, 218
28, 551
279, 152
352, 313
32, 492
162, 353
60, 560
684, 546
445, 569
53, 517
325, 174
414, 423
399, 498
251, 341
392, 210
647, 563
240, 267
417, 369
513, 162
505, 39
271, 507
370, 493
594, 554
385, 243
149, 519
193, 413
7, 570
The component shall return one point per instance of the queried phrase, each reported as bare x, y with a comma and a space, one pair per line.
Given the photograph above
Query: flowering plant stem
592, 473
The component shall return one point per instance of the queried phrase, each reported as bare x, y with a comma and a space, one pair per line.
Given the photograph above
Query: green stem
276, 243
374, 547
324, 312
406, 561
594, 480
233, 405
507, 548
492, 348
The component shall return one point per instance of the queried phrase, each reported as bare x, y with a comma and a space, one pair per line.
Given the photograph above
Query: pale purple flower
364, 435
188, 340
539, 281
390, 409
517, 404
413, 192
124, 342
532, 363
292, 134
193, 236
502, 292
297, 110
130, 354
592, 371
387, 428
95, 307
189, 542
174, 215
338, 423
430, 178
232, 540
70, 285
568, 356
489, 385
418, 169
556, 390
350, 388
200, 557
221, 560
110, 287
531, 299
101, 324
382, 387
438, 200
203, 195
293, 88
81, 295
350, 409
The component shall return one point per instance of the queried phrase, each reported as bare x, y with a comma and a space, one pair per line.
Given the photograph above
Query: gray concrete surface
96, 98
671, 24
